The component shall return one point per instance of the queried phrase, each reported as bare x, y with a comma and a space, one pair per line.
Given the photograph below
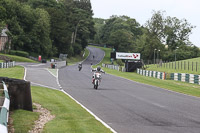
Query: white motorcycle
96, 79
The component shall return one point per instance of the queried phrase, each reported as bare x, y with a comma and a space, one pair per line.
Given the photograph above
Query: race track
130, 107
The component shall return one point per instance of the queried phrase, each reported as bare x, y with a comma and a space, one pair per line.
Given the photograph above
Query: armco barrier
159, 75
115, 67
7, 64
190, 78
4, 111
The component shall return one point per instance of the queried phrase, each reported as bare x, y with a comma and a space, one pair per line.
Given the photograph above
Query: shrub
119, 62
19, 53
12, 52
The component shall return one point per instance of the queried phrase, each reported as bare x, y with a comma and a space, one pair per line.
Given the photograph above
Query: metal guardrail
4, 112
155, 74
115, 67
7, 64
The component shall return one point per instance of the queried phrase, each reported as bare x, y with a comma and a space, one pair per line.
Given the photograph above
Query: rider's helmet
98, 68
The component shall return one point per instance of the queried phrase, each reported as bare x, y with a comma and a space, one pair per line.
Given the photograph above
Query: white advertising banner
133, 56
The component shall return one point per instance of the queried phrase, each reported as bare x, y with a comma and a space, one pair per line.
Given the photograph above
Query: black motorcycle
79, 67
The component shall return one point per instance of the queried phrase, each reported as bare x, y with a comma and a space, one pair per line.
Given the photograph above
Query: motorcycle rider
98, 69
80, 66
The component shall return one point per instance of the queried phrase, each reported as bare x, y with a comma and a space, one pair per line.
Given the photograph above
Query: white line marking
52, 73
58, 80
97, 118
24, 73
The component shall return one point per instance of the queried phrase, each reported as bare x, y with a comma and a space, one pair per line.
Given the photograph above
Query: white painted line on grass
96, 117
52, 73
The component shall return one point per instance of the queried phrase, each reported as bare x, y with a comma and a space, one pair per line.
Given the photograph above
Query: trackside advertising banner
133, 56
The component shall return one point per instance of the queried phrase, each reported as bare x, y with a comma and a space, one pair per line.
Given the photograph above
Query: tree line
160, 35
48, 27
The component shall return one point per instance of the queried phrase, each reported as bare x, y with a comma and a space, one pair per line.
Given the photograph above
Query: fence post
184, 65
192, 66
181, 65
188, 65
178, 65
196, 66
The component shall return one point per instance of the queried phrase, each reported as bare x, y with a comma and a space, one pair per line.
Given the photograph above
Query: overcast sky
141, 10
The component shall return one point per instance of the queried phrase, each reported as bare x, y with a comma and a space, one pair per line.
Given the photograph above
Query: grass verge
106, 59
18, 58
182, 87
23, 120
177, 86
77, 58
191, 66
70, 117
13, 72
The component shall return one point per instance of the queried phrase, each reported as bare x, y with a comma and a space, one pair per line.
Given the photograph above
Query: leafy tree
129, 27
177, 32
99, 23
121, 40
169, 31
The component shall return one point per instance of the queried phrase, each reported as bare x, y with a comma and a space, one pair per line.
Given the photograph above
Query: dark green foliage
19, 53
119, 62
165, 34
45, 27
119, 32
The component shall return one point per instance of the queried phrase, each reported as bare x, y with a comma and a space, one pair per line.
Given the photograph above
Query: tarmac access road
38, 74
130, 107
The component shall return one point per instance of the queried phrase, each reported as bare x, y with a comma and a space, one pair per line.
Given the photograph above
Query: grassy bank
70, 117
13, 72
106, 59
191, 66
77, 58
22, 120
18, 58
182, 87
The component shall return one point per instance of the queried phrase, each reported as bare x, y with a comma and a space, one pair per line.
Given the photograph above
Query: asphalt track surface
128, 106
38, 74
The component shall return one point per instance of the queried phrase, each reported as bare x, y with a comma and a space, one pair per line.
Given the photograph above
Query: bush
119, 62
19, 53
12, 52
77, 49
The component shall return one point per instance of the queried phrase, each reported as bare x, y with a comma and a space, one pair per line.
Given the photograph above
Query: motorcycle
97, 79
79, 67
